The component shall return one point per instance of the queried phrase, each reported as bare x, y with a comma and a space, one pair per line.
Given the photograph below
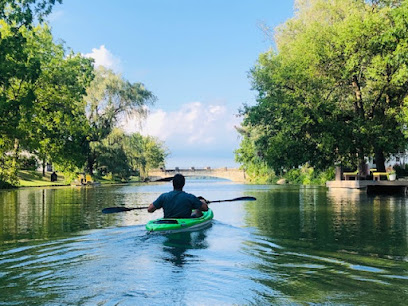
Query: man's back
177, 204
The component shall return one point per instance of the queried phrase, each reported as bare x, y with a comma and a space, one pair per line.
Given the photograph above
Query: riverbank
29, 178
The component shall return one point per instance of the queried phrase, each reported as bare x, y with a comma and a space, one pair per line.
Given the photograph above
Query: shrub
28, 163
306, 175
401, 170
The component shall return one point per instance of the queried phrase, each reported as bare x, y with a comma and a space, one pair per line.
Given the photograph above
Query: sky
193, 55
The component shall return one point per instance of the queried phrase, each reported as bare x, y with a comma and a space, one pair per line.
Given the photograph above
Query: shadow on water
176, 245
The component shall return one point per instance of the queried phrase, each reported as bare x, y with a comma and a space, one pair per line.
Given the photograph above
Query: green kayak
180, 225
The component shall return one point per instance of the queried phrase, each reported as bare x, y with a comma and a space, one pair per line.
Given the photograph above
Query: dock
372, 186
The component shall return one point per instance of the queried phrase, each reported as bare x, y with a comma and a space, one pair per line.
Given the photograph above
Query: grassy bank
28, 178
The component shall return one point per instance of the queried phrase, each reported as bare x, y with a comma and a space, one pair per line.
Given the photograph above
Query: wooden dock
390, 187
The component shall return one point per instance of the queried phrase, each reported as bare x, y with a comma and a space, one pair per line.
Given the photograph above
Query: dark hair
178, 181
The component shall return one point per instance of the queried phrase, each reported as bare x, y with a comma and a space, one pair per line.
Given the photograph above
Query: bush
260, 173
306, 175
5, 185
28, 163
401, 170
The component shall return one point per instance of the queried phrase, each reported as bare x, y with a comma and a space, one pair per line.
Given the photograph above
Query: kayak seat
166, 221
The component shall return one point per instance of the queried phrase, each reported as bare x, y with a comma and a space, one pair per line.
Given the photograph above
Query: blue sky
193, 55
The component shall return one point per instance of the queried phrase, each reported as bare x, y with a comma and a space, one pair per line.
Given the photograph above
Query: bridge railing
194, 169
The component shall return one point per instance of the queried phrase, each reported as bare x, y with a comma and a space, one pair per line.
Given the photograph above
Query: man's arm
151, 208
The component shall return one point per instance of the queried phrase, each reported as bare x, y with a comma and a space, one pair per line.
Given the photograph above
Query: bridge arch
232, 174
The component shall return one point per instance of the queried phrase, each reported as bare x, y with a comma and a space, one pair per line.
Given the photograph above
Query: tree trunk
380, 160
43, 167
15, 157
363, 169
91, 161
359, 106
15, 152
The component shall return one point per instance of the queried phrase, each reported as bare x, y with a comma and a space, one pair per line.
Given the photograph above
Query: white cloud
103, 57
205, 131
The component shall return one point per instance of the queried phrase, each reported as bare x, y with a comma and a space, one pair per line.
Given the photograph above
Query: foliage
306, 175
23, 12
109, 98
334, 90
256, 170
49, 107
28, 163
401, 170
60, 125
144, 153
112, 157
6, 185
8, 172
37, 81
123, 155
48, 113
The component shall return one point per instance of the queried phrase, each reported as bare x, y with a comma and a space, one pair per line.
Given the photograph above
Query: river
294, 245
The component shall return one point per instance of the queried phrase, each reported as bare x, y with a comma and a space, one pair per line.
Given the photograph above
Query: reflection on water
334, 220
294, 245
176, 245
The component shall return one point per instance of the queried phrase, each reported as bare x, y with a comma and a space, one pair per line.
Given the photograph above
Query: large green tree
123, 155
335, 87
58, 127
17, 65
18, 71
144, 153
110, 98
50, 120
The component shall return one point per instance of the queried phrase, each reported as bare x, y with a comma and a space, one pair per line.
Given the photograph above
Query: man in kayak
179, 204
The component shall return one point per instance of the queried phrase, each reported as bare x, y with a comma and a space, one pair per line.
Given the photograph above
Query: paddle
166, 179
112, 210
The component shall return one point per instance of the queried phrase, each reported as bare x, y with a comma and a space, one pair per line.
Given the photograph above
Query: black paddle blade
166, 179
111, 210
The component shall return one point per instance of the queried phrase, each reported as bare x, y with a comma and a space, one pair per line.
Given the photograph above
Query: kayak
180, 225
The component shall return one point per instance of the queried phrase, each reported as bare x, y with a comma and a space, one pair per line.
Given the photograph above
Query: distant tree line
333, 91
57, 106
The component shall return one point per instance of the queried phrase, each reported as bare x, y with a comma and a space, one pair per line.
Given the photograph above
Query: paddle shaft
236, 199
111, 210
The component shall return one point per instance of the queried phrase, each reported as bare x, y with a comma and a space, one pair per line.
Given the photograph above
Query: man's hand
151, 208
204, 206
202, 199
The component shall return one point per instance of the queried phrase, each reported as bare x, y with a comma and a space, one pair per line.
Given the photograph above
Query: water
294, 245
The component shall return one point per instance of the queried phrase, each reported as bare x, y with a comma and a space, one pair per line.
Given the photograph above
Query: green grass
105, 180
30, 178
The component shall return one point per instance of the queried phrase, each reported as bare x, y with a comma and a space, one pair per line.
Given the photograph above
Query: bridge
232, 174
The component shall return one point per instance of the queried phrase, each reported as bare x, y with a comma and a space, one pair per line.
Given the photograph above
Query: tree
108, 99
144, 153
17, 72
335, 88
112, 157
22, 12
121, 154
59, 127
17, 67
48, 113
